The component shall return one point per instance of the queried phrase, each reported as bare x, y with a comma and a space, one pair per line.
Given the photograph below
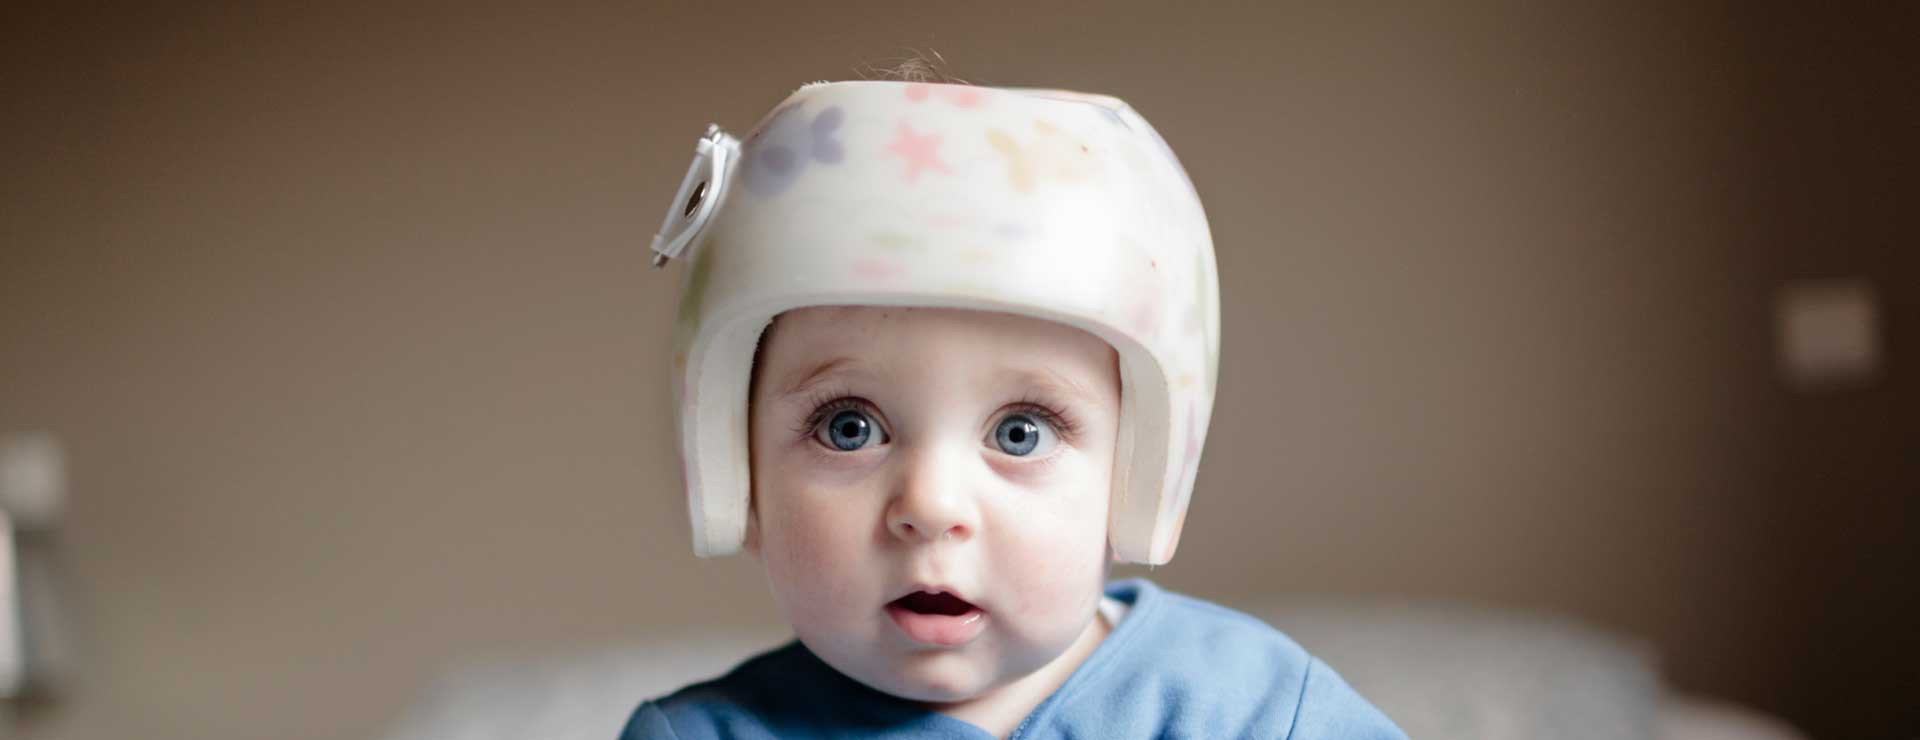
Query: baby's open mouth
922, 602
940, 619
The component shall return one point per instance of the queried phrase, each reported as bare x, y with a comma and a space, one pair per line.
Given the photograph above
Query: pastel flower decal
1051, 154
780, 151
964, 96
825, 149
919, 150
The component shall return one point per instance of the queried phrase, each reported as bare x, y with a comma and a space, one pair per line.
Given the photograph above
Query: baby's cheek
1059, 571
1063, 539
812, 556
800, 551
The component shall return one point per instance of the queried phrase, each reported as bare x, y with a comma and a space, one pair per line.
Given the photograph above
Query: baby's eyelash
829, 401
825, 403
1062, 421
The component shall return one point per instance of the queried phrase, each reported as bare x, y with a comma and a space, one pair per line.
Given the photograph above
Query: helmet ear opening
750, 540
1141, 453
715, 431
754, 373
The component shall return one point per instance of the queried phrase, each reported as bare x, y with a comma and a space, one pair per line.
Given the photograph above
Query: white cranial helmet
1058, 205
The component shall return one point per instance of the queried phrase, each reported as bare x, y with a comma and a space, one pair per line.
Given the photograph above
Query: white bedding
1439, 671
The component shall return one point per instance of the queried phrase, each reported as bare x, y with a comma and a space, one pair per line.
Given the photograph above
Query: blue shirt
1175, 667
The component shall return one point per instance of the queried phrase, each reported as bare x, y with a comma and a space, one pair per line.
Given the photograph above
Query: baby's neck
1001, 710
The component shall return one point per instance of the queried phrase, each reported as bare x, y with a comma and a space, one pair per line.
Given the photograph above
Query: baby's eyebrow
1044, 378
1053, 381
816, 374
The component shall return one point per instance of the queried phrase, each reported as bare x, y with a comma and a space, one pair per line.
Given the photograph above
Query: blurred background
342, 320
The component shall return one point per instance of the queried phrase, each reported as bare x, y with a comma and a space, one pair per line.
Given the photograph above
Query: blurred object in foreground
34, 659
1456, 670
1827, 334
1690, 718
1447, 670
33, 480
1438, 670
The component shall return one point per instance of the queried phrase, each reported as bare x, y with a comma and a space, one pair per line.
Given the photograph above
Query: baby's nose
906, 529
932, 503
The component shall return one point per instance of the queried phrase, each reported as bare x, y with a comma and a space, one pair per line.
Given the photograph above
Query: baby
943, 354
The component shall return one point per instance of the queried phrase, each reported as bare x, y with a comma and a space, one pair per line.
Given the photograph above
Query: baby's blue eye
1020, 435
848, 431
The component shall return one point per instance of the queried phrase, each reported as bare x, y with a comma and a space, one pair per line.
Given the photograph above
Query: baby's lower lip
939, 629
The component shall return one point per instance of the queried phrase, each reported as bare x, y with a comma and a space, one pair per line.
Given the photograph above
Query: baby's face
902, 452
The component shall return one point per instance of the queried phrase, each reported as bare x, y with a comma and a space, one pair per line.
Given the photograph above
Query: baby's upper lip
933, 588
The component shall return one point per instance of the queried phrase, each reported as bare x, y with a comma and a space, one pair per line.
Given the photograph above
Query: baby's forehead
900, 344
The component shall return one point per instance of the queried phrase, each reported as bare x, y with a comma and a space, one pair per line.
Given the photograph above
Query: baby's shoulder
733, 705
1190, 667
1178, 630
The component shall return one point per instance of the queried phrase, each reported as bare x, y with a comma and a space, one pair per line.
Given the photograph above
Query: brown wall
344, 317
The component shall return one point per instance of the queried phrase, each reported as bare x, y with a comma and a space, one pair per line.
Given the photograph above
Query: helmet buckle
699, 196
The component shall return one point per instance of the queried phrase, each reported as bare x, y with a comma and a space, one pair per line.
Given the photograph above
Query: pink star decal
918, 150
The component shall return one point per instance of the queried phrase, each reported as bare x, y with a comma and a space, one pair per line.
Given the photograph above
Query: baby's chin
941, 686
939, 678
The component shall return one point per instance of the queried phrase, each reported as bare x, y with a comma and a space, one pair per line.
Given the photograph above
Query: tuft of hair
916, 66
